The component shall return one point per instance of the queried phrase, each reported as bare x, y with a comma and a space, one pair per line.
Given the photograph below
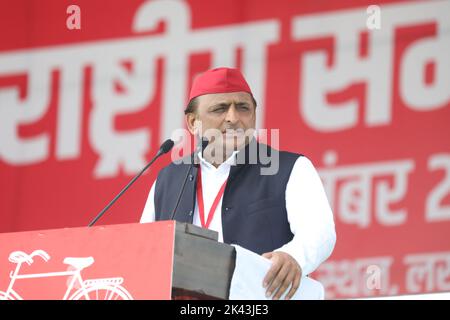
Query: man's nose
232, 116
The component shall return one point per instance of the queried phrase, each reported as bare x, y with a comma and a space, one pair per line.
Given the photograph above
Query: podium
161, 260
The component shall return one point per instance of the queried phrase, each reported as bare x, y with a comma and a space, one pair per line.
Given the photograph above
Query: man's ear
192, 123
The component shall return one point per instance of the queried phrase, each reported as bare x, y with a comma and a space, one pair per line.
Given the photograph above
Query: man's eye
245, 108
220, 109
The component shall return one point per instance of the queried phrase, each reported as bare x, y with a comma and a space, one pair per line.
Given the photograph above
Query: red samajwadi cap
219, 80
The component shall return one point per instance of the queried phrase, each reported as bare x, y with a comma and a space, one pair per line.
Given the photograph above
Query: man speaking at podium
282, 215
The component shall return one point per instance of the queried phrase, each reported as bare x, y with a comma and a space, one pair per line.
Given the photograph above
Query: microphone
204, 144
165, 147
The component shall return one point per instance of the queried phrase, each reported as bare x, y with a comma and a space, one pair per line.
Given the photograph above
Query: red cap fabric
219, 80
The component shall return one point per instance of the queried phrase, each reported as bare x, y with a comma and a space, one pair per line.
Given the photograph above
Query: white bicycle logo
91, 289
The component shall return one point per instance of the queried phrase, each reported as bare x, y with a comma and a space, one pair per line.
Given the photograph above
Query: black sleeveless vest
254, 212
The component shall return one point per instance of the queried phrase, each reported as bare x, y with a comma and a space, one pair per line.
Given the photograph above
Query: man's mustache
233, 129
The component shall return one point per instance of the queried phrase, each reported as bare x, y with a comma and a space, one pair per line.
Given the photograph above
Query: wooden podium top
202, 267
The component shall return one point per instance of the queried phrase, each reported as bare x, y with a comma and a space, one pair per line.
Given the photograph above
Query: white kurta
309, 213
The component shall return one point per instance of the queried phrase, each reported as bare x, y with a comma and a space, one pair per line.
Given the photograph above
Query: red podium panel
126, 261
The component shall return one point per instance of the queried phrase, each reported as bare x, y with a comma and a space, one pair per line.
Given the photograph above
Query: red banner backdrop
88, 93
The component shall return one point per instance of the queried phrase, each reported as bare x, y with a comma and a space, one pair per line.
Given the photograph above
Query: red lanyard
201, 206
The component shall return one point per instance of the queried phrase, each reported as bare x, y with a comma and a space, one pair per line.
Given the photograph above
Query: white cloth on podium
249, 273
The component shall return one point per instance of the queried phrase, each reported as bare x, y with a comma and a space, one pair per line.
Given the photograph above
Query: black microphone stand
204, 144
165, 147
